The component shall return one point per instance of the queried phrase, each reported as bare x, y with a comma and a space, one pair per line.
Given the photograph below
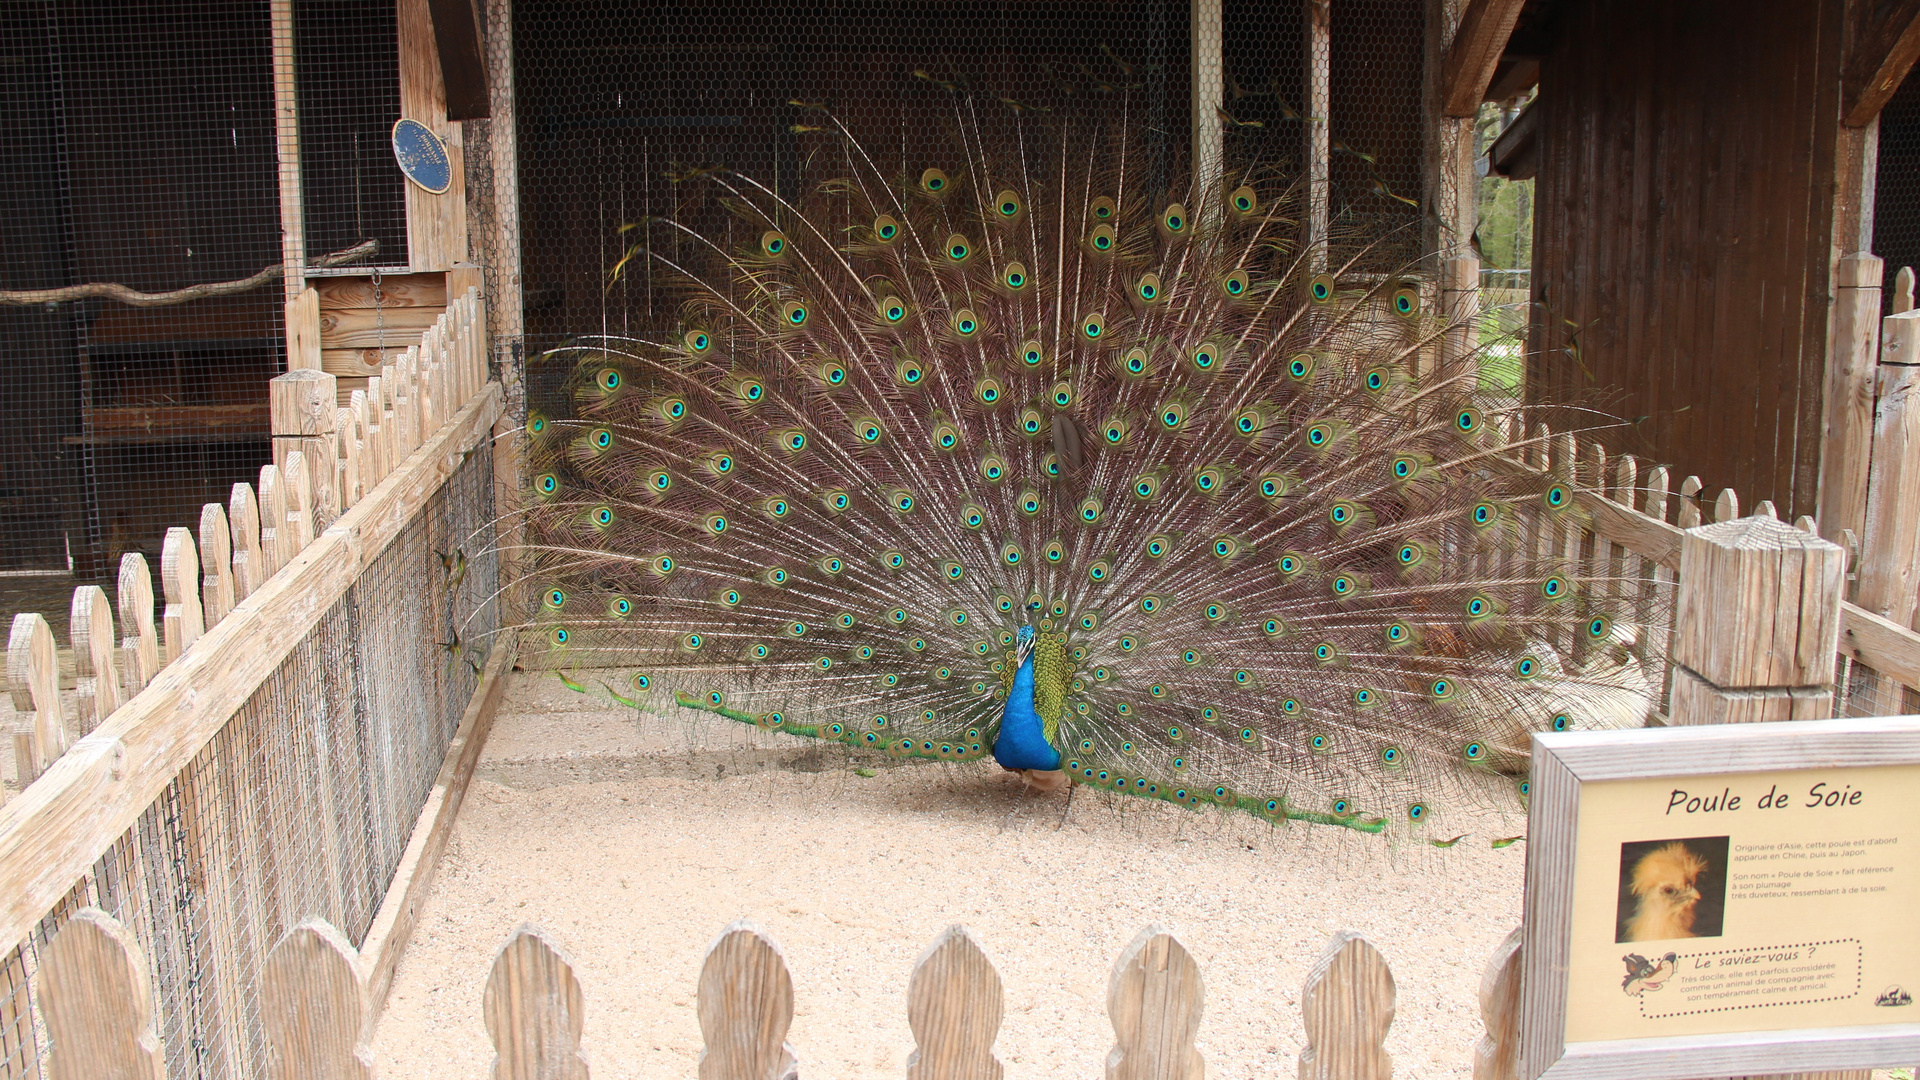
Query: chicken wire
303, 802
617, 105
140, 148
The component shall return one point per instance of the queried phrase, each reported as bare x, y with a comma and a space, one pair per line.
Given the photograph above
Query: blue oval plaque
422, 156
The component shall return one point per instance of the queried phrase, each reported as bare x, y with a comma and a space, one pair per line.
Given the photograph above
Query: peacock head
1026, 634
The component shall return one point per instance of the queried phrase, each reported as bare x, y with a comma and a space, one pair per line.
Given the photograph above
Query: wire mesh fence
304, 801
618, 107
1896, 210
140, 149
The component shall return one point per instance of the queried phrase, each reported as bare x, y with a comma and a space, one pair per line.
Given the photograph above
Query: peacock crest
1023, 453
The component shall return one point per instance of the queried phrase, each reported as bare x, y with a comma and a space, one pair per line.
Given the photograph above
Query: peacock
1030, 452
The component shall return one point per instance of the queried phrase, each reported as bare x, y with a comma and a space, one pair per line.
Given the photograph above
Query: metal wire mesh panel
303, 803
618, 106
138, 146
1896, 209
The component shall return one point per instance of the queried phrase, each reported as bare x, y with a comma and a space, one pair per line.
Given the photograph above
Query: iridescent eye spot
1397, 633
1390, 755
1403, 468
699, 342
1474, 751
894, 311
556, 598
957, 249
1476, 606
661, 480
1340, 514
1363, 697
796, 441
1552, 588
1190, 657
1376, 380
1409, 555
1204, 358
1015, 279
1247, 423
1323, 652
1483, 513
1271, 627
603, 517
1318, 434
1299, 366
560, 635
1318, 742
1556, 497
1599, 627
1442, 688
1562, 722
549, 484
602, 438
1289, 564
1527, 667
886, 229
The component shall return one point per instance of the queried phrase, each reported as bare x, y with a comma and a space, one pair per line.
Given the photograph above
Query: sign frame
1562, 762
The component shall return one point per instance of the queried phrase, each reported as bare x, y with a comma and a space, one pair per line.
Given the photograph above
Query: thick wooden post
1208, 90
1154, 999
1757, 623
1319, 146
1849, 395
954, 1006
302, 404
1460, 306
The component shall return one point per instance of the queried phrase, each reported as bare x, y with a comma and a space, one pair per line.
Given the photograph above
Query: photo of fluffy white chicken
1664, 884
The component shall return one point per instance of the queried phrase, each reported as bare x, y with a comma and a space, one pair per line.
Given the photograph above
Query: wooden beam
1514, 76
1475, 52
1878, 63
53, 832
1885, 646
1515, 154
463, 60
400, 911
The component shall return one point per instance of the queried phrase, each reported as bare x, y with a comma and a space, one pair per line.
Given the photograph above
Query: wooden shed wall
1681, 234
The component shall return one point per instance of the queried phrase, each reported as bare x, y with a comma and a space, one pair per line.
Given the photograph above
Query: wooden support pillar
301, 406
1848, 405
1757, 623
303, 331
1460, 306
436, 224
1209, 82
286, 132
1319, 147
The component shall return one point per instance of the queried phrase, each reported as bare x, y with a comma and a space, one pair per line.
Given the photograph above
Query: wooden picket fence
316, 1007
328, 457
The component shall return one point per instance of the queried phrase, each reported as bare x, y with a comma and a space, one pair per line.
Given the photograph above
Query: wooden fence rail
316, 1008
205, 573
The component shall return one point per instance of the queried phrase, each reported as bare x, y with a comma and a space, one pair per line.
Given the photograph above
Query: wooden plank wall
1682, 237
351, 322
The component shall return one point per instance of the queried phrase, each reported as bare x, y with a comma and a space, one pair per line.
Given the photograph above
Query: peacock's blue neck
1022, 743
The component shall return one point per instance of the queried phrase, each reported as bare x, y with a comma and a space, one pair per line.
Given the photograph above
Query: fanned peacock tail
1020, 428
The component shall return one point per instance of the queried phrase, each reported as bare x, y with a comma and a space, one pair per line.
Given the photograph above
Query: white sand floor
633, 842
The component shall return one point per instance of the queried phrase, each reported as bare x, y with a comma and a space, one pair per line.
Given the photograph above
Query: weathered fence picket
954, 1007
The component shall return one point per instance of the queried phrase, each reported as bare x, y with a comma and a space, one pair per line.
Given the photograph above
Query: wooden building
1704, 235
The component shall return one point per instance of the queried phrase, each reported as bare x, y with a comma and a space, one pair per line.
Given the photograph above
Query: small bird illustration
1665, 883
1093, 475
1644, 975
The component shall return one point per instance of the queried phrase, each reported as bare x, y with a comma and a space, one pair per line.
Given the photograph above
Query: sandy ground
634, 842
